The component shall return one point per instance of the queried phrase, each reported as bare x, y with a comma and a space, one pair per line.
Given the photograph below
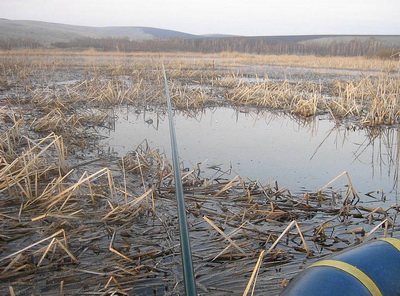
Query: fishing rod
186, 253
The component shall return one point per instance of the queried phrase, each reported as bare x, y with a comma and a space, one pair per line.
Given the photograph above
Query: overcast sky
239, 17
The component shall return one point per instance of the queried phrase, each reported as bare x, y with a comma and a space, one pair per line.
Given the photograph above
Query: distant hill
325, 39
26, 33
47, 33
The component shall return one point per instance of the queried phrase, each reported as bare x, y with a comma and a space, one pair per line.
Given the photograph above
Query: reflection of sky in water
263, 147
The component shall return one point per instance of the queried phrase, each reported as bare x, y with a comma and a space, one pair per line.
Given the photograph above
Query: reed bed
334, 62
375, 100
61, 231
279, 96
206, 80
76, 220
371, 101
20, 177
62, 57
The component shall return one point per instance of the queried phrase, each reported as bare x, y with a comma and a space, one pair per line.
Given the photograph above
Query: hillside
47, 33
26, 33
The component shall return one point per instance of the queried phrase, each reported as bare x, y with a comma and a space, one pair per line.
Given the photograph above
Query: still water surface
268, 147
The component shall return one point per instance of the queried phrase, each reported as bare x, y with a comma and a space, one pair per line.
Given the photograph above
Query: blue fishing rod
186, 253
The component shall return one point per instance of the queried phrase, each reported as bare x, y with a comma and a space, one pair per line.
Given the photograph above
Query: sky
236, 17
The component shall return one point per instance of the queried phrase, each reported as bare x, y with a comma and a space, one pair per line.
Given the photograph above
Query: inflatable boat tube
370, 269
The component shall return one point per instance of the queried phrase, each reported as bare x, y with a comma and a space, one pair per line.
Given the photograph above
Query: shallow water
268, 147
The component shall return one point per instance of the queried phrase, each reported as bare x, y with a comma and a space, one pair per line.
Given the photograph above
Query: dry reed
81, 224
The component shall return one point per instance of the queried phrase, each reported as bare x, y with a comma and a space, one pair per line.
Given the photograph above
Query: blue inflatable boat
369, 269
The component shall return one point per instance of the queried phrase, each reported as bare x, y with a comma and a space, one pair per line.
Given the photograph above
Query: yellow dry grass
60, 206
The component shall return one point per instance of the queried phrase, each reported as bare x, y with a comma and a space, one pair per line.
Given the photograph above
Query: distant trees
19, 43
301, 45
258, 45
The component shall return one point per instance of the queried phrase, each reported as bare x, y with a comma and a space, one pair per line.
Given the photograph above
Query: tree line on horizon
13, 43
253, 45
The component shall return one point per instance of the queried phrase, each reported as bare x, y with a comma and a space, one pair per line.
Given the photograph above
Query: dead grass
77, 222
204, 80
375, 100
358, 63
276, 95
94, 215
371, 101
231, 58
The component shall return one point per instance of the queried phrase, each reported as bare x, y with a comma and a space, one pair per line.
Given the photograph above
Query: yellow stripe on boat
393, 241
354, 271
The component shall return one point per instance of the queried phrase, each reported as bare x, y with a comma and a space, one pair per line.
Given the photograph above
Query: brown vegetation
77, 220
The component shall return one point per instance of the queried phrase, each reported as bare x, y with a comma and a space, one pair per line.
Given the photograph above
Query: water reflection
384, 143
265, 146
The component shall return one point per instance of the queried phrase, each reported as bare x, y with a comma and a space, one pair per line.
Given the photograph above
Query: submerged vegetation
76, 219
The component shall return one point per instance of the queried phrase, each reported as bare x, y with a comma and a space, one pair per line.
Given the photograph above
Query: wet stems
75, 219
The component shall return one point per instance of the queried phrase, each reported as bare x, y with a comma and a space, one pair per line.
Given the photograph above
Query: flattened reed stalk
351, 194
19, 257
54, 200
253, 278
126, 211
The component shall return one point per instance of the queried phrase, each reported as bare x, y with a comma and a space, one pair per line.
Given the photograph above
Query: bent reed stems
77, 220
